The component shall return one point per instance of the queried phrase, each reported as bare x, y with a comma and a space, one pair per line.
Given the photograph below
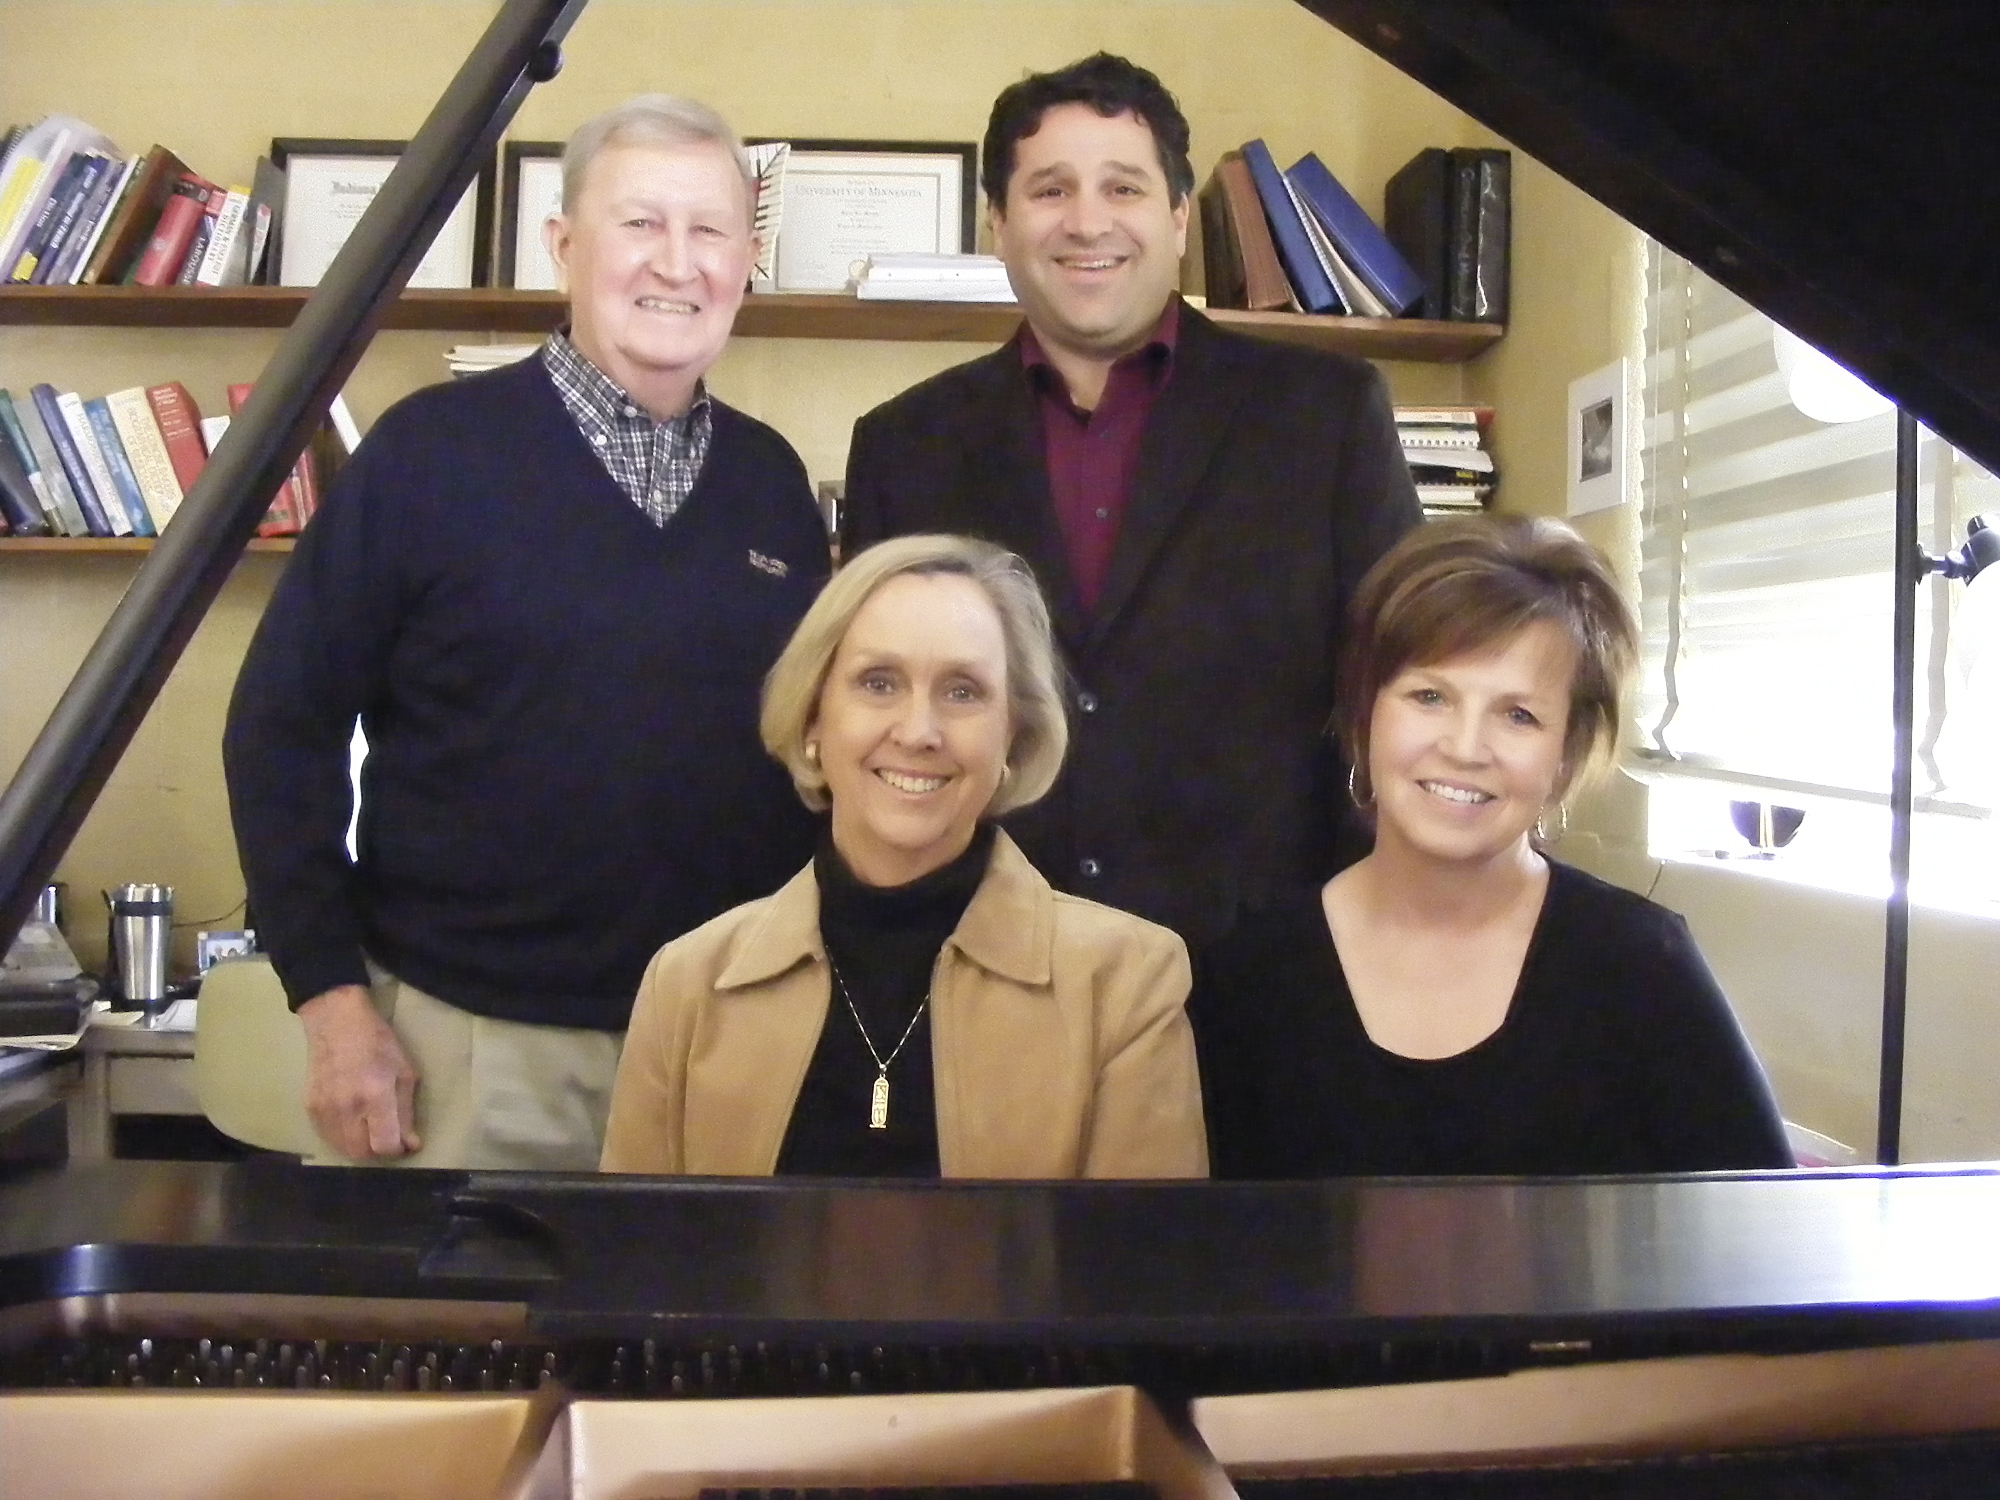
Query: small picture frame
1599, 425
844, 200
530, 190
210, 948
329, 185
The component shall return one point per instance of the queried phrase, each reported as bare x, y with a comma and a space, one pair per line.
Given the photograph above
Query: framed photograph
530, 190
846, 200
329, 185
1599, 406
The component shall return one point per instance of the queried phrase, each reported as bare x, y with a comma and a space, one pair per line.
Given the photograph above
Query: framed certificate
530, 190
846, 200
329, 185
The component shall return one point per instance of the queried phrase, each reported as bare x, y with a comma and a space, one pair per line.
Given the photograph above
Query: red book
180, 425
287, 515
172, 235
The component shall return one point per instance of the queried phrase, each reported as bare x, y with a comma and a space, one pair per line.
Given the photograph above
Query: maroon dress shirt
1093, 455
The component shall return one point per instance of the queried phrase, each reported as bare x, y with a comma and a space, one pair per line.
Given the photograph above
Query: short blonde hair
1470, 584
1034, 678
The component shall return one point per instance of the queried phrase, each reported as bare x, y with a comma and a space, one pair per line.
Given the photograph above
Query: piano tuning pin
426, 1377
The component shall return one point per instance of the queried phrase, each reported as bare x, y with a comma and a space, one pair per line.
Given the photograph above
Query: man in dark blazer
1197, 505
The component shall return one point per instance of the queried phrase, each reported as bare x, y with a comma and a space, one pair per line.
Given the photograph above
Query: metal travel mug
142, 919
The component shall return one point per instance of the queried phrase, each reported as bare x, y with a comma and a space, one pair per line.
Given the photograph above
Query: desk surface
132, 1039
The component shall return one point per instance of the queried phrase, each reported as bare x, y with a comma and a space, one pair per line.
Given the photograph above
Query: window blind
1766, 579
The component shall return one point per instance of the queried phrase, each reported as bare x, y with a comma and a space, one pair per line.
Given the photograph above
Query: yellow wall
218, 79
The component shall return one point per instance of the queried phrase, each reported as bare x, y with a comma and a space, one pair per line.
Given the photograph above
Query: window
1766, 598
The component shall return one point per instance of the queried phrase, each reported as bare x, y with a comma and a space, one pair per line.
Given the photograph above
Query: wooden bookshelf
75, 544
785, 316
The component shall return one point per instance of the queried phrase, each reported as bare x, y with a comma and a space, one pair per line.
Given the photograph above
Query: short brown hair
1034, 677
1471, 584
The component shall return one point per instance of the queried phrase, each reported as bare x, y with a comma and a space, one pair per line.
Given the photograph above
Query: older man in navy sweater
549, 594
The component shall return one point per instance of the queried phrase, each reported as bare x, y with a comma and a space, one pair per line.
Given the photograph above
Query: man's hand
360, 1086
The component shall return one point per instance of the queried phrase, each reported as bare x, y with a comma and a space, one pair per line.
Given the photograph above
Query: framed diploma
329, 185
530, 190
846, 200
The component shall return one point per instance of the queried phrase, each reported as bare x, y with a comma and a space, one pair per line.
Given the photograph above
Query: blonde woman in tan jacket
918, 1001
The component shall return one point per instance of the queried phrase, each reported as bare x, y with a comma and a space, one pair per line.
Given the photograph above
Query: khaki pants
498, 1095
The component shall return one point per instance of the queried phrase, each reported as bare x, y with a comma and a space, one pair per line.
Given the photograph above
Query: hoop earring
1361, 803
1562, 826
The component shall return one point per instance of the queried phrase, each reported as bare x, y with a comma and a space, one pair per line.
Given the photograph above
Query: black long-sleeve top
1618, 1053
560, 700
884, 942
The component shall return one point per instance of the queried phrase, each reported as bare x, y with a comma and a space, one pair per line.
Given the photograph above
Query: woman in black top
1456, 1002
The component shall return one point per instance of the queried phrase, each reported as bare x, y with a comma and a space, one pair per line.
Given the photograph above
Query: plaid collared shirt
654, 463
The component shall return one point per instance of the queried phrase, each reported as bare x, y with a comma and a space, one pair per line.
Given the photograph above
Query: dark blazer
1270, 477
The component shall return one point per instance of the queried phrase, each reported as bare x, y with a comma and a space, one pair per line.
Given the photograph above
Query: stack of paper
471, 359
1445, 447
912, 277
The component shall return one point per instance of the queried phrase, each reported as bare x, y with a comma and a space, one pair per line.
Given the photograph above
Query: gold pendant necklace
878, 1098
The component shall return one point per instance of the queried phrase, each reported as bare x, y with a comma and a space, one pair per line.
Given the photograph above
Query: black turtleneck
884, 942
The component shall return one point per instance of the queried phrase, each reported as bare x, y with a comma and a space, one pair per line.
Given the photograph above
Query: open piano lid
1824, 159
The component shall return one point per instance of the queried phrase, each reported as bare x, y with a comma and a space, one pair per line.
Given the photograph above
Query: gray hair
653, 120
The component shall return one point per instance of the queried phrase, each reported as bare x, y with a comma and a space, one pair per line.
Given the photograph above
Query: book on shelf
1468, 497
97, 213
20, 498
146, 452
341, 420
117, 519
222, 263
1416, 215
180, 220
925, 277
1435, 469
1357, 298
267, 203
63, 197
472, 359
1239, 257
66, 515
179, 421
55, 423
59, 261
124, 482
128, 227
298, 495
30, 172
1448, 213
1475, 417
1310, 281
1362, 246
197, 247
1482, 190
15, 441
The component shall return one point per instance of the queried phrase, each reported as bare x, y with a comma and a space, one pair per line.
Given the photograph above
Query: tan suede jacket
1057, 1032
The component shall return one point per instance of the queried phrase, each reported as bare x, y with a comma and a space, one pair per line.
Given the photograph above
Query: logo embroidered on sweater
775, 566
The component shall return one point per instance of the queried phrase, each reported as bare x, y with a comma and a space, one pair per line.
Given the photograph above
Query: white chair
250, 1059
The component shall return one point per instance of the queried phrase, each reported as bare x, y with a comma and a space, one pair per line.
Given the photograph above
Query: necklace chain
878, 1116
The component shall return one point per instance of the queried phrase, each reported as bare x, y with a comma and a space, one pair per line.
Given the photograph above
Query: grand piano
1815, 158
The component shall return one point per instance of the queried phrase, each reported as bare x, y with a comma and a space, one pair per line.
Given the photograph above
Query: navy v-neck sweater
560, 700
